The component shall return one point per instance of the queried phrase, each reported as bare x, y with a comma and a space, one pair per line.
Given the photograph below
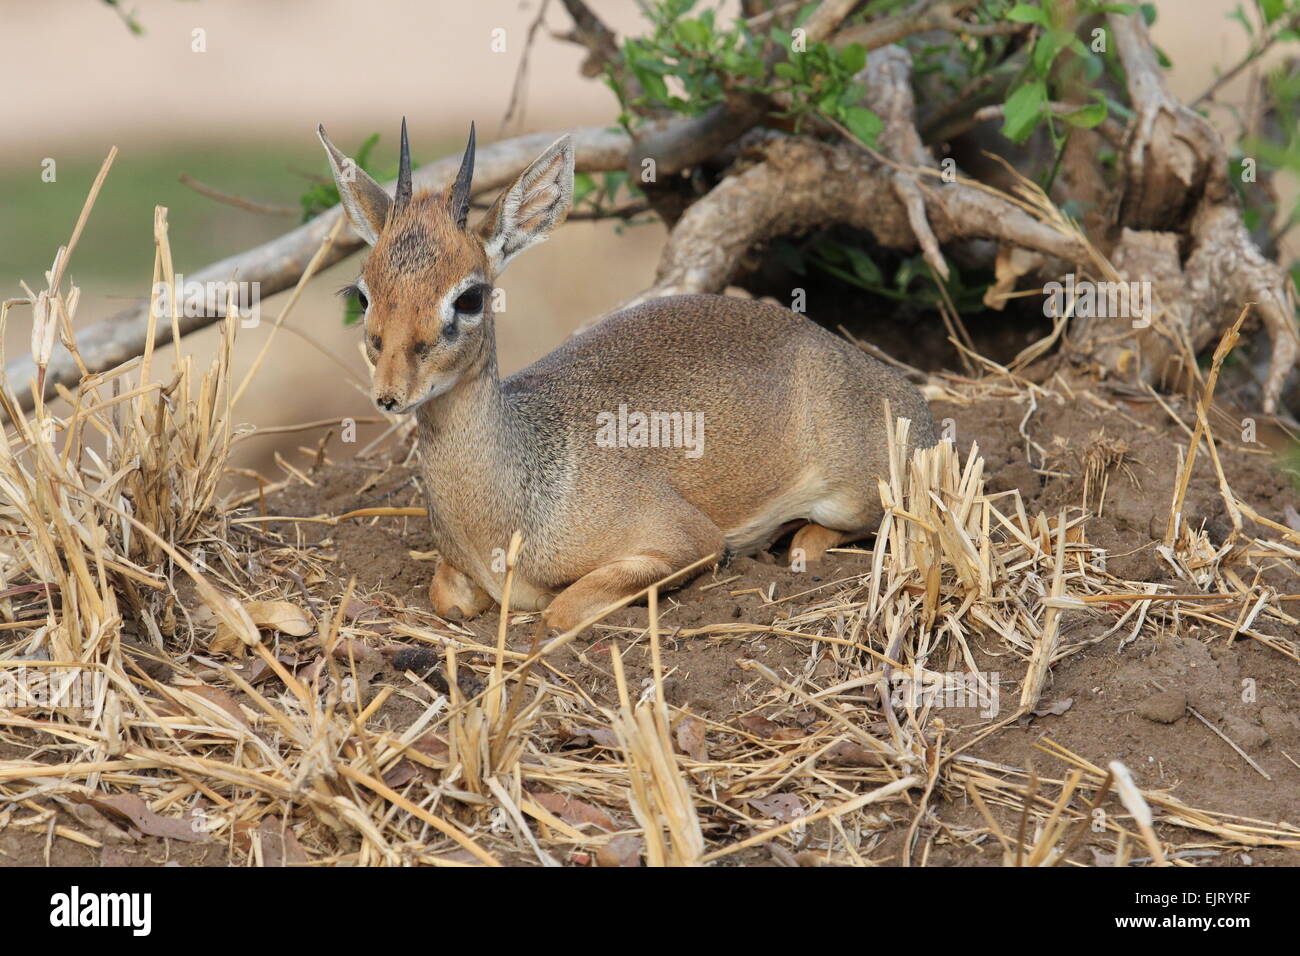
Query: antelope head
426, 288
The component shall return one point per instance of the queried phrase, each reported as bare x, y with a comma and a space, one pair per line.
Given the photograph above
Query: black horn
403, 172
460, 188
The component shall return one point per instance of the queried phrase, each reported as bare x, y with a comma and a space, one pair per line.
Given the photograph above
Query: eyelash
352, 290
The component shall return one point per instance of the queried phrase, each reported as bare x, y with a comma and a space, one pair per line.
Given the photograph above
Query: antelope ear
527, 212
366, 202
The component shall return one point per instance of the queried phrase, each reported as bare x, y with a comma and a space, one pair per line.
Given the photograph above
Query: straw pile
266, 735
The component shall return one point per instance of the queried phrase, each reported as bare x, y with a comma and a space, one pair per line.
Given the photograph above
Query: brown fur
793, 420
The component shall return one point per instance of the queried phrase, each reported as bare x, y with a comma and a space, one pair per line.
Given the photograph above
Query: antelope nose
387, 404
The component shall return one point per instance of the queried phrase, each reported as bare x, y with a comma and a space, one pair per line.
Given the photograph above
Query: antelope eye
354, 289
376, 342
470, 301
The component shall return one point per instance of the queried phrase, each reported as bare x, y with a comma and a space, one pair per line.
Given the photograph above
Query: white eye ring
451, 316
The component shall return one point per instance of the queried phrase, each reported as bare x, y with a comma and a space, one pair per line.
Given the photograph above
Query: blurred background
81, 76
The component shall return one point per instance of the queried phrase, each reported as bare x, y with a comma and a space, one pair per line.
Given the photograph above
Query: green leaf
1023, 109
1093, 67
853, 57
1047, 47
1272, 9
863, 124
1088, 116
363, 154
692, 33
864, 267
1240, 16
653, 84
583, 186
615, 181
1027, 13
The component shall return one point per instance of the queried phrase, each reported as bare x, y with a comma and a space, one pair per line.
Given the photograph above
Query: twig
237, 201
1251, 56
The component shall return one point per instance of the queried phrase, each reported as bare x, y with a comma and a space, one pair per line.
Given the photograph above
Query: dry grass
111, 529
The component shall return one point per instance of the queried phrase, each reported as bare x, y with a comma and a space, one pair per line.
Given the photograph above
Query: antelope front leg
454, 596
612, 582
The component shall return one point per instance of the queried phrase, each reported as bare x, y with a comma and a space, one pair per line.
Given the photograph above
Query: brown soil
1109, 701
1107, 686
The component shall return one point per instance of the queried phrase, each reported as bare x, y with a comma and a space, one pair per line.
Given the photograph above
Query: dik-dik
786, 421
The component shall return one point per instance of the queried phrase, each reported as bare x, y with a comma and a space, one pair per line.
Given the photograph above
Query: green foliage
911, 281
323, 194
599, 194
1057, 59
690, 64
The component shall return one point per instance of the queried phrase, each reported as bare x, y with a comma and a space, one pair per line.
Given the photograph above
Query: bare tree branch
1177, 195
802, 184
277, 265
239, 202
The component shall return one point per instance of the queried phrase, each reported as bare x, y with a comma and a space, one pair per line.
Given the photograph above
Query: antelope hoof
454, 596
561, 616
814, 540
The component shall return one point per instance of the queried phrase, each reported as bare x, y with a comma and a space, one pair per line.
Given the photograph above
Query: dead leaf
600, 736
781, 855
279, 844
431, 745
1100, 858
260, 670
851, 754
311, 673
760, 726
219, 698
402, 773
226, 640
134, 812
782, 807
358, 610
100, 827
1055, 709
622, 850
572, 810
826, 668
280, 616
690, 739
236, 631
1011, 263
